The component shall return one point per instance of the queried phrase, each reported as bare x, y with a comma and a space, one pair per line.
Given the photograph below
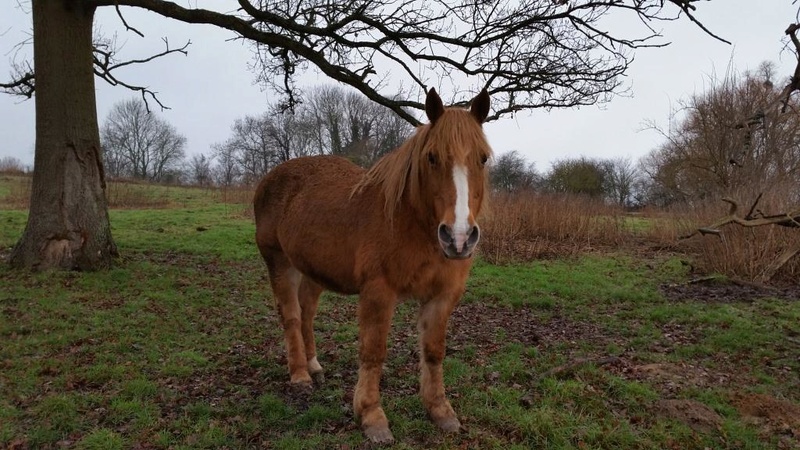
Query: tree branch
529, 54
124, 22
687, 7
104, 65
789, 219
22, 82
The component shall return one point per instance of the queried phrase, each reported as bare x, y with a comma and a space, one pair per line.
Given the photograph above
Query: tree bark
68, 226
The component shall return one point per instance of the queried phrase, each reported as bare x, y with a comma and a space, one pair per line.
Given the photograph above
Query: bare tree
258, 143
226, 170
288, 133
324, 104
527, 54
251, 147
10, 164
347, 124
333, 122
200, 170
511, 173
581, 176
140, 144
729, 140
621, 180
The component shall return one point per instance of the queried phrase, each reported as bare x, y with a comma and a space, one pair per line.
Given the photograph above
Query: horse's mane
456, 136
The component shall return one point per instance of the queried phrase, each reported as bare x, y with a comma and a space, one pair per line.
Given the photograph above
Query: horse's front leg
432, 325
375, 310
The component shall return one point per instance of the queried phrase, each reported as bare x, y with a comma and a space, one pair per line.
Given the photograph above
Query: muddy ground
478, 324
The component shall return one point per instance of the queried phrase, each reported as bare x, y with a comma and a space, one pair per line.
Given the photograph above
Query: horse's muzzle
450, 247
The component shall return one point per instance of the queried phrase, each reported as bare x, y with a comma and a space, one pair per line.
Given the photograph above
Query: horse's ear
480, 106
434, 107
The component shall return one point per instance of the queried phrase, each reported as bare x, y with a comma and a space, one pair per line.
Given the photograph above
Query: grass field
179, 347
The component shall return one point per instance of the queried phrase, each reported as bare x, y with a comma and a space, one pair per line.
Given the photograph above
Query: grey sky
212, 86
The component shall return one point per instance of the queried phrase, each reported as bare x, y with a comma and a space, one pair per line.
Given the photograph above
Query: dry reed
526, 226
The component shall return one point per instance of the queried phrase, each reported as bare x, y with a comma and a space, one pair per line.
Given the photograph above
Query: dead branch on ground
756, 218
790, 219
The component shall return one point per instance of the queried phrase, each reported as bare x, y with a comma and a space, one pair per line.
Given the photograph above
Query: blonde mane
457, 136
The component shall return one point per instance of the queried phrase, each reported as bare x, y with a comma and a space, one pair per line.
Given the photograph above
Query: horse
404, 228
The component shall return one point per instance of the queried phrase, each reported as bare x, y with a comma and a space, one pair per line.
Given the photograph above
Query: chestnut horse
403, 229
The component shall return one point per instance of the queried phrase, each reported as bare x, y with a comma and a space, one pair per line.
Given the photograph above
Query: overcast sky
212, 86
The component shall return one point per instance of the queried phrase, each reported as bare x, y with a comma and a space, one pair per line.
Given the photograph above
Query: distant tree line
12, 166
332, 121
736, 139
613, 180
724, 141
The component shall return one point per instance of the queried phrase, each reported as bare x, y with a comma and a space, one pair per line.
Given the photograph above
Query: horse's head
452, 172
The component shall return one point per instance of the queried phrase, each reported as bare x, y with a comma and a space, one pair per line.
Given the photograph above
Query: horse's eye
484, 158
432, 158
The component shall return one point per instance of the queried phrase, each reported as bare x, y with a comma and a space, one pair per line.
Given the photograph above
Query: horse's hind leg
285, 281
309, 299
432, 325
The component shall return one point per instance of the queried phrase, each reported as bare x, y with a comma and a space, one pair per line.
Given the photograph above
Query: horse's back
289, 178
313, 178
301, 210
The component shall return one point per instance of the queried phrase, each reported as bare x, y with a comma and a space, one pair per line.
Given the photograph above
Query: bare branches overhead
105, 63
21, 82
688, 8
528, 53
23, 76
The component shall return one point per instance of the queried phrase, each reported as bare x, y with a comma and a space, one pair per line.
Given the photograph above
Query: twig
753, 208
686, 6
103, 67
703, 279
124, 22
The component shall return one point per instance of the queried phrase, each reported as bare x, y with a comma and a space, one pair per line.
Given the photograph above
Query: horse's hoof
301, 379
449, 424
379, 435
301, 386
318, 377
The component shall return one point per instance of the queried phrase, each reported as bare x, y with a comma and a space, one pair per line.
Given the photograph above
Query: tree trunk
68, 226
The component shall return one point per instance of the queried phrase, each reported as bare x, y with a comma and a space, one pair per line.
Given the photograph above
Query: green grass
178, 346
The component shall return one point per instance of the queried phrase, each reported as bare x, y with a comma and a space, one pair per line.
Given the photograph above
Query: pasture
179, 346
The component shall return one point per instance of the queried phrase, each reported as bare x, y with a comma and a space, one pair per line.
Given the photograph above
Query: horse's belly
329, 272
326, 257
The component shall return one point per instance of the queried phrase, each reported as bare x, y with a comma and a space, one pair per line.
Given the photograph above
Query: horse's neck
415, 221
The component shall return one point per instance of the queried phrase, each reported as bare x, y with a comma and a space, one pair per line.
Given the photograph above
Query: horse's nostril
445, 233
474, 236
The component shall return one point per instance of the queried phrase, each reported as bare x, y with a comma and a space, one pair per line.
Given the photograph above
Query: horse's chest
435, 278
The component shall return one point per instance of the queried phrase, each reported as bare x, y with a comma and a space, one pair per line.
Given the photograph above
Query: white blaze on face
461, 225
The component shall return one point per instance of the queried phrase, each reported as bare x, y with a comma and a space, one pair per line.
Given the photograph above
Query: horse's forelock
456, 137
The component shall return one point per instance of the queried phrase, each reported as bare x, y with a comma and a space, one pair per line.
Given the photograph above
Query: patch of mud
483, 325
773, 416
696, 415
490, 328
713, 290
671, 379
